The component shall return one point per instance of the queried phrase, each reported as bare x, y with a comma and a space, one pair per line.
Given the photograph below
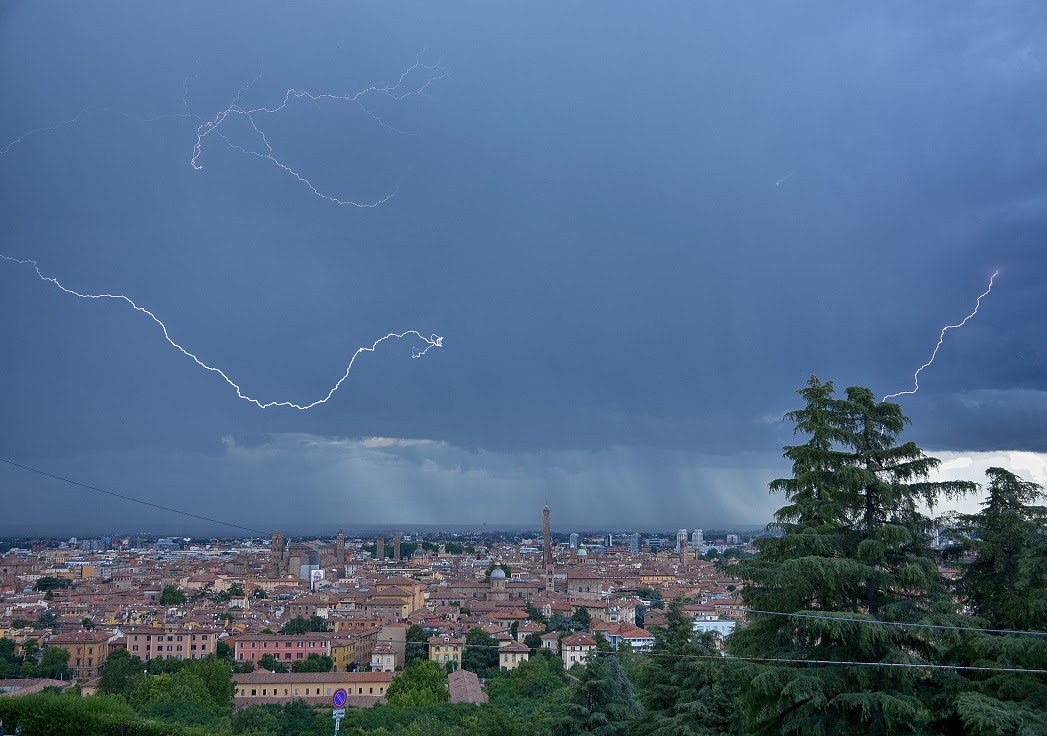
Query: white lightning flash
433, 341
780, 181
941, 337
397, 90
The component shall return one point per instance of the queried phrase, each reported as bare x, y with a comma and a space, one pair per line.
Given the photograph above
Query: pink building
252, 647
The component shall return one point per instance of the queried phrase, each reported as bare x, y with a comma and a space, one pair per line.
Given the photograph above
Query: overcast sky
638, 230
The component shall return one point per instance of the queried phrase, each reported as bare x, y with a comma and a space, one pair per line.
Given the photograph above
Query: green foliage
423, 683
854, 544
1003, 538
416, 646
299, 625
535, 614
538, 678
481, 653
604, 701
46, 584
533, 640
313, 663
259, 593
54, 663
581, 616
9, 663
171, 596
683, 687
269, 662
87, 623
120, 673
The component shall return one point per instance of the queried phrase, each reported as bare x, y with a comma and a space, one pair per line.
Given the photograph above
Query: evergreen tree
1004, 587
685, 687
481, 653
1003, 538
854, 552
416, 646
603, 703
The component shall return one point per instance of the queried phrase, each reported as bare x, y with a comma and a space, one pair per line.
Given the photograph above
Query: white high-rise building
681, 540
697, 538
634, 544
574, 540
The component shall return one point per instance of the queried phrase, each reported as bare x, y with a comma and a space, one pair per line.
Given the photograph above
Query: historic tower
396, 547
547, 550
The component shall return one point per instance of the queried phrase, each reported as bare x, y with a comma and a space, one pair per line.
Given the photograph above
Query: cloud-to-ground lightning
433, 341
941, 337
400, 89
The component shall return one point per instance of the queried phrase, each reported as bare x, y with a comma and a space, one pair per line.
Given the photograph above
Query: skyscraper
634, 544
697, 538
681, 540
574, 540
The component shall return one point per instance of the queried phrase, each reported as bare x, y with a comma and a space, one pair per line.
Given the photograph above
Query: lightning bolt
397, 90
433, 341
941, 337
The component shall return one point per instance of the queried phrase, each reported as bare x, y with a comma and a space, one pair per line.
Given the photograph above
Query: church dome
498, 573
582, 552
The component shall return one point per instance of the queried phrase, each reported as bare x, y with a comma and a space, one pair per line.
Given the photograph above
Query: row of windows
277, 644
160, 637
265, 691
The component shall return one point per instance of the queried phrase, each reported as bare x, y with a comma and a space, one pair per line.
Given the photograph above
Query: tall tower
380, 549
278, 554
396, 547
547, 549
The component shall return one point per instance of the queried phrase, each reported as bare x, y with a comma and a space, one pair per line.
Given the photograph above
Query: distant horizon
368, 531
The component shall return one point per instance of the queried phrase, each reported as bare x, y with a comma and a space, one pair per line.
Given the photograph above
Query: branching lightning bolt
397, 90
941, 337
433, 341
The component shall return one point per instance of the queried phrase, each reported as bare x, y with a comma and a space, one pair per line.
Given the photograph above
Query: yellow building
511, 654
363, 688
444, 649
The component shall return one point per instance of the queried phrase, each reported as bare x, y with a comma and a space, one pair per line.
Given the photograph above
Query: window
134, 648
307, 691
299, 655
253, 691
296, 691
328, 691
370, 690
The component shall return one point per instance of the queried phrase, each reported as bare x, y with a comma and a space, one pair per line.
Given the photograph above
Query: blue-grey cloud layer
586, 208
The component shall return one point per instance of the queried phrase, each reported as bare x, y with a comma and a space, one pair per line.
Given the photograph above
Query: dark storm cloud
586, 208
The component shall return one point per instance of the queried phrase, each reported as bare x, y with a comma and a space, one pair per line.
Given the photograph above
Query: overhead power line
830, 616
96, 489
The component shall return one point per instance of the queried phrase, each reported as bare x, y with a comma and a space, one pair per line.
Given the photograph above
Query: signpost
338, 700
